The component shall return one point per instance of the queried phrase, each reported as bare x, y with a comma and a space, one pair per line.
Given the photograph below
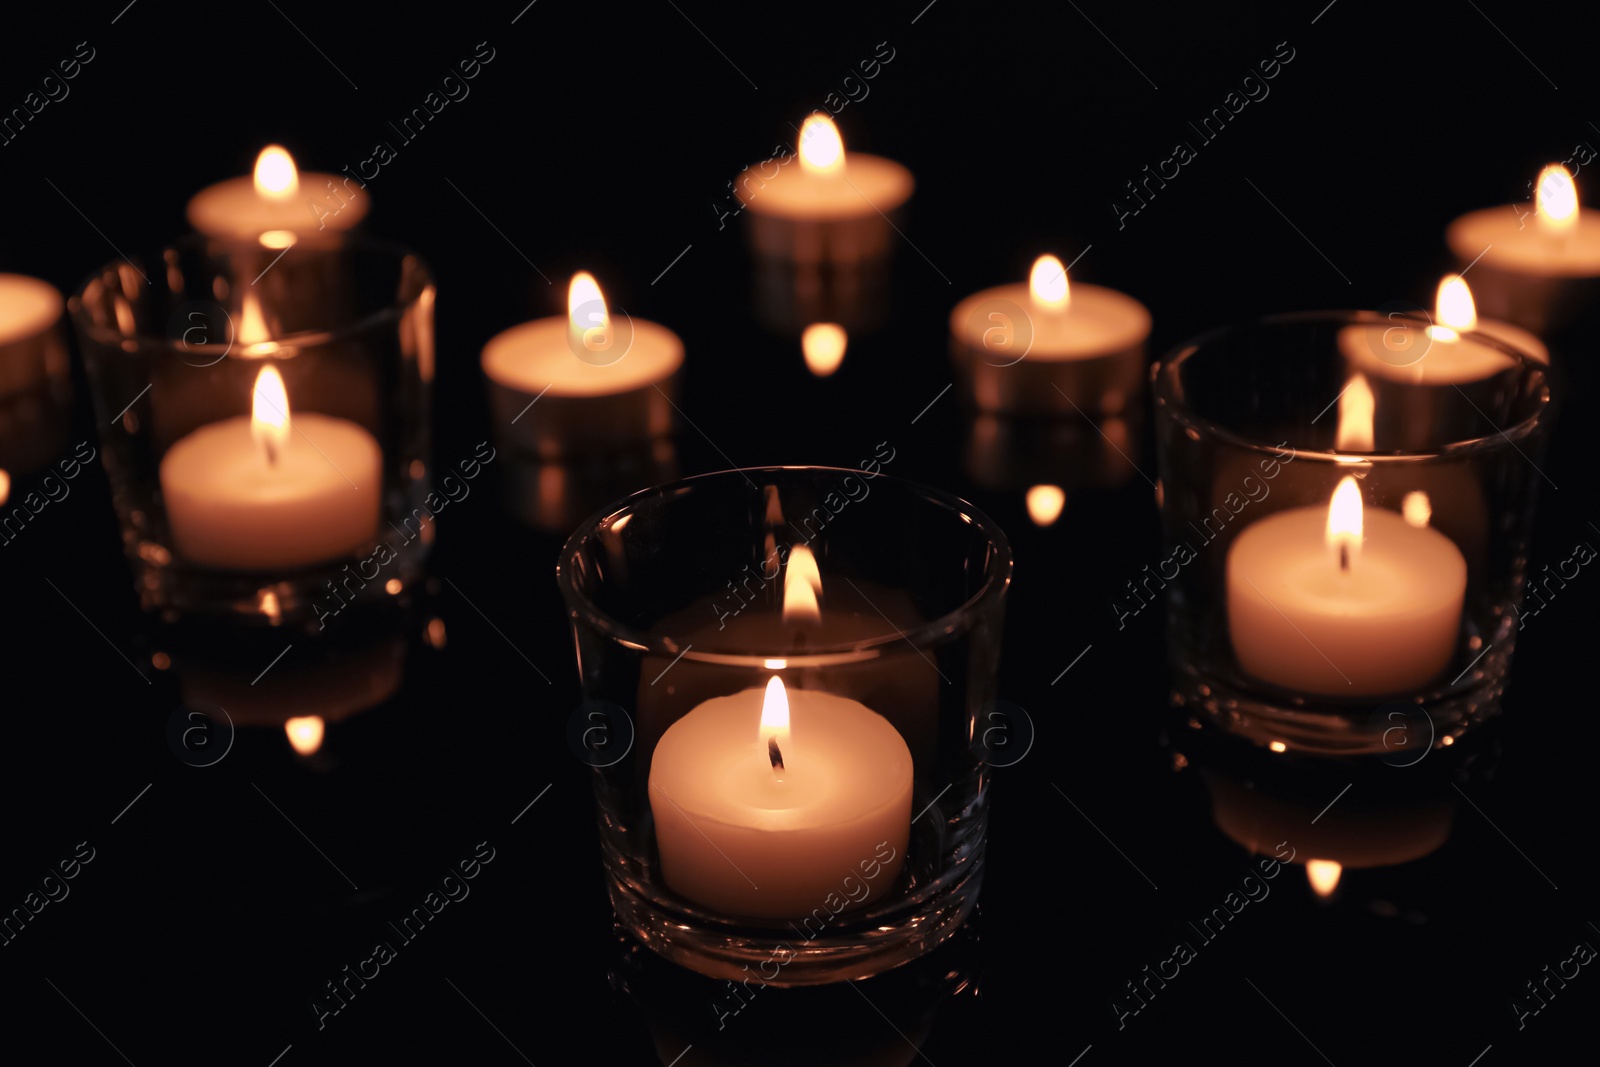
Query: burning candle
277, 205
1048, 347
823, 344
1440, 354
823, 203
766, 800
1342, 601
1528, 260
597, 379
267, 491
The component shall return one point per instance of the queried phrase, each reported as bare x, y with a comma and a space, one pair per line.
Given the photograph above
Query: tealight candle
1339, 601
1528, 267
825, 204
277, 205
1047, 347
765, 800
264, 491
1444, 353
31, 350
584, 380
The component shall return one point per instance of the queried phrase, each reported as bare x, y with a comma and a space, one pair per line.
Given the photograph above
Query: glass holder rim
997, 577
1165, 393
149, 342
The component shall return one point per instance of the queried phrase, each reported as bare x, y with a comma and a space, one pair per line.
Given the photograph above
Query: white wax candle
537, 356
737, 837
823, 182
249, 493
1095, 321
277, 200
1515, 242
1387, 623
29, 309
1444, 353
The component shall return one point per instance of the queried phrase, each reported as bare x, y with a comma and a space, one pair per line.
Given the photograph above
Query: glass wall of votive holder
677, 600
176, 345
1248, 431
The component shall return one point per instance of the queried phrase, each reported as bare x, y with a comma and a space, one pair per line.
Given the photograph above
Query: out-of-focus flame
276, 177
802, 586
1047, 284
1416, 509
1324, 876
252, 323
278, 239
269, 413
305, 733
775, 712
1045, 503
1555, 199
588, 318
1345, 519
821, 147
5, 486
823, 345
1356, 409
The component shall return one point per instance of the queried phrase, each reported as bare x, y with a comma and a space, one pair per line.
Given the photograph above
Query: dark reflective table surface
1148, 888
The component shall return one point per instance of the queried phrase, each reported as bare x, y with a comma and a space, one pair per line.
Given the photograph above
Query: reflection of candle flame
1416, 509
276, 177
588, 318
1323, 876
821, 147
1356, 409
1555, 199
269, 413
802, 586
1045, 503
1047, 284
5, 486
1345, 520
305, 733
252, 323
823, 345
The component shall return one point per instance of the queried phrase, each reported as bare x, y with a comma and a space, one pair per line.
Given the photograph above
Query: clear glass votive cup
851, 840
265, 421
1291, 627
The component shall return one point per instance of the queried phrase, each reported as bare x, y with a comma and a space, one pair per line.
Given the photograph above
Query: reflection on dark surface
555, 495
1004, 453
33, 427
789, 295
877, 1022
301, 696
1329, 818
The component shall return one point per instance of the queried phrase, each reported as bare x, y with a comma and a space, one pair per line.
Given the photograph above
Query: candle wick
1344, 557
272, 452
776, 756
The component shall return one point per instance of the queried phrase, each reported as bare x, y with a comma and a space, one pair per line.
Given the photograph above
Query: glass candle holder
1345, 551
846, 835
265, 423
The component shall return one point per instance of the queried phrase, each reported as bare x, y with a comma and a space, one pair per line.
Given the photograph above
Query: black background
602, 137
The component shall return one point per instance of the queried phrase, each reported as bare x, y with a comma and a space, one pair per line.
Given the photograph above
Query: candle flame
5, 486
1345, 515
823, 345
1324, 876
269, 413
775, 712
1356, 409
821, 147
1416, 509
802, 586
1047, 284
1045, 503
588, 318
305, 733
1555, 199
276, 177
1453, 305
